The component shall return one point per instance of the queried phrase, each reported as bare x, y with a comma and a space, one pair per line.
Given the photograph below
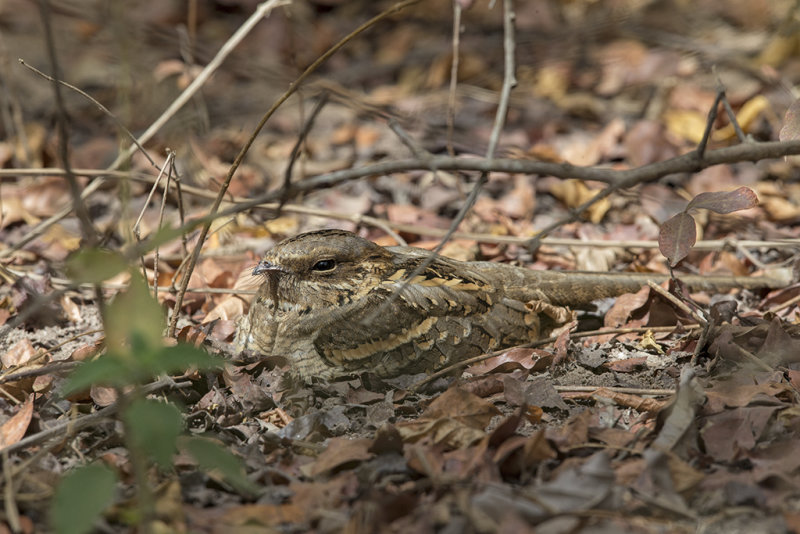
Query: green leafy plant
135, 355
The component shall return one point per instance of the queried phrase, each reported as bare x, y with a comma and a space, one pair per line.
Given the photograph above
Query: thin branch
390, 227
262, 10
615, 389
64, 429
287, 178
727, 105
451, 98
677, 302
712, 117
94, 101
87, 228
685, 163
415, 148
689, 162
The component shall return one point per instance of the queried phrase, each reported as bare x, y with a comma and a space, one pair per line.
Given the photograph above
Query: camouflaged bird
331, 303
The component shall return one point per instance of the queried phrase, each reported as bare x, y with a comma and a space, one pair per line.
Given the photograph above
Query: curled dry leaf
725, 201
456, 419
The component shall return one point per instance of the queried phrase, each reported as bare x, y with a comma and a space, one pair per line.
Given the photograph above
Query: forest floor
655, 424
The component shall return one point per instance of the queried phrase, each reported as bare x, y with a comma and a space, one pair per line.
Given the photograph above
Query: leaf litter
516, 443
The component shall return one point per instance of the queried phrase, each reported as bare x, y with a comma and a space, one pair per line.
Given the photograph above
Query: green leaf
81, 497
109, 370
94, 265
135, 313
212, 456
154, 428
183, 356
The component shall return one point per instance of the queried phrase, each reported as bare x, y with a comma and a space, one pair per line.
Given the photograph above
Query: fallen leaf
15, 427
340, 453
19, 354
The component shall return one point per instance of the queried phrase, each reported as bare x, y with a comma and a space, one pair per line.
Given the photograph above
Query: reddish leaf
725, 201
677, 237
790, 130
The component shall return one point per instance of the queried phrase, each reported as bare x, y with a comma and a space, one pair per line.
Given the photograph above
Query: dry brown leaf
15, 427
71, 310
19, 354
340, 453
103, 396
446, 432
462, 406
42, 384
620, 312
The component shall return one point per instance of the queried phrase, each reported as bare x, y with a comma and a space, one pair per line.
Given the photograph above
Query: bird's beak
264, 267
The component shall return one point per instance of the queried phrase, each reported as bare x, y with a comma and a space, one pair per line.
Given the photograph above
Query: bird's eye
324, 265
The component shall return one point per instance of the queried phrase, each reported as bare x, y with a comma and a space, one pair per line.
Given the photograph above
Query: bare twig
162, 208
94, 101
712, 117
686, 163
262, 10
161, 172
70, 427
788, 304
287, 178
388, 226
451, 99
727, 105
677, 303
51, 368
628, 391
411, 144
87, 228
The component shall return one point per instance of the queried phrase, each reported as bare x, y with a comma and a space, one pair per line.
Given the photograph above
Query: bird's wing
440, 315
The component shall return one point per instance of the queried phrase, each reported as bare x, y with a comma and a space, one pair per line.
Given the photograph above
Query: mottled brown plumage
329, 303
